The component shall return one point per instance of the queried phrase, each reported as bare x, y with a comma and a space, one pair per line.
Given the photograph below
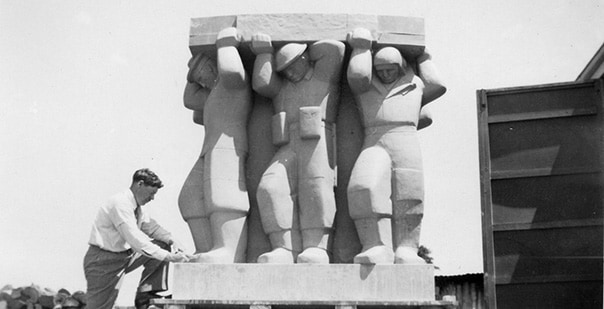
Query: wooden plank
554, 146
485, 198
522, 255
535, 200
533, 88
544, 102
563, 295
568, 112
547, 225
544, 171
507, 279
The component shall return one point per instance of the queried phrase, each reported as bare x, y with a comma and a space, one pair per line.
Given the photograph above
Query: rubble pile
35, 297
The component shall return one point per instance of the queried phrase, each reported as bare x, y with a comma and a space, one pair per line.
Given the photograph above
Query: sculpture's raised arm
327, 56
360, 67
435, 87
230, 67
265, 79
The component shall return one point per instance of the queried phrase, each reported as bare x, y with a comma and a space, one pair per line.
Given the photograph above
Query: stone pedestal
303, 283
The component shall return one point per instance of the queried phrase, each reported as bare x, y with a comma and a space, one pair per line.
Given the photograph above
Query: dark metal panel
545, 147
585, 295
546, 199
561, 254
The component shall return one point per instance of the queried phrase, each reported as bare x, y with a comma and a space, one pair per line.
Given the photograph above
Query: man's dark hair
148, 177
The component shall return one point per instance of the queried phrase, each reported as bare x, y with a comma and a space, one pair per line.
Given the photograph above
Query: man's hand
261, 44
178, 257
360, 38
228, 37
177, 246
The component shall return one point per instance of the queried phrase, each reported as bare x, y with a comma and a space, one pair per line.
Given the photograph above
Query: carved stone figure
214, 200
295, 194
386, 190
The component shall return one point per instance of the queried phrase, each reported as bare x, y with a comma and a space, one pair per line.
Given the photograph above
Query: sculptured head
389, 64
292, 61
203, 70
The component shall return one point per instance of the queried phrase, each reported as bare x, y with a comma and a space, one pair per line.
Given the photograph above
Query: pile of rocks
35, 297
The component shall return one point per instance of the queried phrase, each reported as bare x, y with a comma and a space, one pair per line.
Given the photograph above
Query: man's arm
152, 229
140, 243
156, 231
429, 75
123, 218
265, 80
230, 67
359, 72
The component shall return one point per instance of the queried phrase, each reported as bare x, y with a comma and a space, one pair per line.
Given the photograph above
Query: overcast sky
92, 90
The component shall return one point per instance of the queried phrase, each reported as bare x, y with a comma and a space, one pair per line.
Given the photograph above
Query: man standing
295, 194
386, 188
120, 242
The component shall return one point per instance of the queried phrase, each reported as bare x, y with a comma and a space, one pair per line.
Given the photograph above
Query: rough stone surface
405, 33
335, 282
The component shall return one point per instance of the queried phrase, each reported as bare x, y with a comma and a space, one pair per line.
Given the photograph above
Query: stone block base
303, 283
405, 33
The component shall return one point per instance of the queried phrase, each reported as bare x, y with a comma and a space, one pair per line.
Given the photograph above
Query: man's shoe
142, 300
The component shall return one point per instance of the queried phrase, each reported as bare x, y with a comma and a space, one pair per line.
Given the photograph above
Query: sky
92, 90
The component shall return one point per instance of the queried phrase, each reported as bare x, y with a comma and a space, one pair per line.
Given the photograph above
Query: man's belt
128, 252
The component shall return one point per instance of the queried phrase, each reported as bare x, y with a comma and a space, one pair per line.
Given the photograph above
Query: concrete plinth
303, 283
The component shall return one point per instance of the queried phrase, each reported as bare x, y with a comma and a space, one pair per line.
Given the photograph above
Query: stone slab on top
405, 33
303, 282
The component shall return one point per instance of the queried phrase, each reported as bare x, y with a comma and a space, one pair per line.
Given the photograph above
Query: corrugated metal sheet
468, 290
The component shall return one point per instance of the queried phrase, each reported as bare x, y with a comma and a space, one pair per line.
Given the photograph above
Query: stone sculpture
214, 200
270, 154
386, 191
295, 194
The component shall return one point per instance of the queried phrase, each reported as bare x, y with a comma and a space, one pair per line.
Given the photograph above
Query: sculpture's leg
407, 232
315, 246
229, 235
408, 196
201, 232
316, 196
316, 212
191, 205
370, 207
408, 212
227, 203
283, 248
376, 237
261, 151
278, 210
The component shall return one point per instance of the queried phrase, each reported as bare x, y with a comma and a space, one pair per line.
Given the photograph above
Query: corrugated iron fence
468, 290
